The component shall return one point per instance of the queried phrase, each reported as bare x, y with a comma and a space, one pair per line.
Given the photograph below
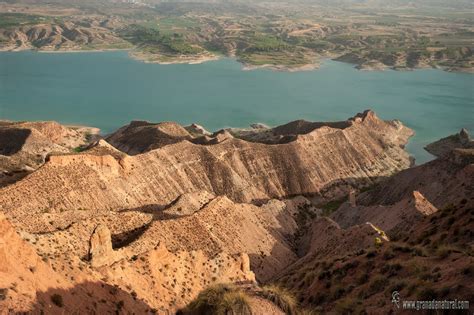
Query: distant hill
468, 4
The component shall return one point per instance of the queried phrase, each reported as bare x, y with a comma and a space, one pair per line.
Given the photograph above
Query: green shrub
402, 248
427, 294
378, 242
391, 269
450, 221
3, 294
309, 278
338, 292
349, 306
418, 251
119, 305
266, 43
444, 292
468, 270
332, 206
371, 254
388, 254
363, 279
397, 286
324, 274
443, 252
377, 285
57, 300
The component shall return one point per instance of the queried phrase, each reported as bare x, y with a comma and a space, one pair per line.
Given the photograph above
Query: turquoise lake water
109, 89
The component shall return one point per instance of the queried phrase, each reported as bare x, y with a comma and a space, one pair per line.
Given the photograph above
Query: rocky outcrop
169, 280
220, 225
394, 219
407, 197
36, 138
141, 136
155, 280
30, 284
444, 146
197, 130
286, 133
372, 65
188, 204
101, 252
348, 266
262, 232
443, 182
324, 162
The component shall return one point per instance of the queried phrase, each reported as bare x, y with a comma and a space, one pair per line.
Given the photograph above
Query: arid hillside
323, 163
24, 146
412, 233
161, 218
444, 181
357, 270
52, 34
444, 146
29, 284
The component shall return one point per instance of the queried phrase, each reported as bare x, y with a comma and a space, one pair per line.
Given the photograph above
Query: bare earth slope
393, 219
264, 233
141, 136
24, 146
29, 284
407, 197
162, 280
66, 36
354, 269
444, 181
433, 262
322, 162
444, 146
147, 222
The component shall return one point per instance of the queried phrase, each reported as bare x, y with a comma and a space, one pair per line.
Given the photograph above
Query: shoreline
45, 51
379, 67
79, 51
142, 57
195, 60
281, 68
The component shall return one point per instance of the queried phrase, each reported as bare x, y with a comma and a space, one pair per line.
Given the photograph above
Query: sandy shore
80, 51
61, 51
190, 60
375, 65
281, 68
460, 70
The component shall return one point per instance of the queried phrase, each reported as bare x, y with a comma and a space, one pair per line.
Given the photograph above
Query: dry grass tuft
281, 297
221, 299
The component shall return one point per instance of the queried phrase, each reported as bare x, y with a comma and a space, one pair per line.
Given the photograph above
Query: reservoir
109, 89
